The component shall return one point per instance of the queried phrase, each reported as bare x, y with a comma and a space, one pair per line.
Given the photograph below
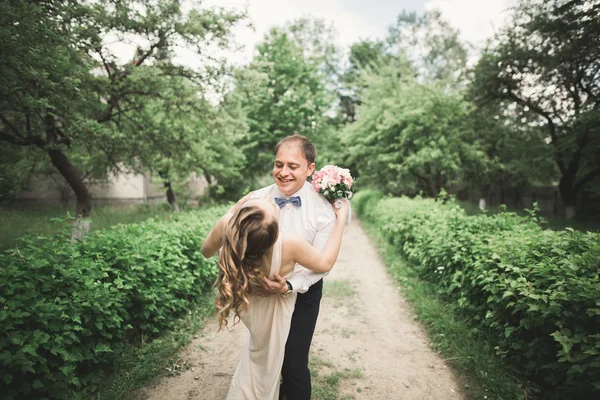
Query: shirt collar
300, 191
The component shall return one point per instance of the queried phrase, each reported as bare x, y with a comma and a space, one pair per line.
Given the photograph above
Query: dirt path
366, 345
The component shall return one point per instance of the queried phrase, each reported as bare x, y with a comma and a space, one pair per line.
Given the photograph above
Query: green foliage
467, 349
544, 67
15, 169
284, 92
516, 153
411, 136
139, 364
363, 56
46, 220
534, 290
432, 45
206, 137
65, 92
318, 42
365, 198
68, 309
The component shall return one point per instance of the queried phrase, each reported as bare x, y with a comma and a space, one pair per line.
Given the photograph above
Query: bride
252, 248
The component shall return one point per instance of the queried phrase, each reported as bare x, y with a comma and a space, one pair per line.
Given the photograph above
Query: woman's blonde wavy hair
248, 236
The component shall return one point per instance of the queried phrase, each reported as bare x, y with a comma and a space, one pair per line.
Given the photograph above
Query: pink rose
330, 177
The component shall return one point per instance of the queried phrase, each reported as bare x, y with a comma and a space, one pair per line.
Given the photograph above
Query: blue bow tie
282, 201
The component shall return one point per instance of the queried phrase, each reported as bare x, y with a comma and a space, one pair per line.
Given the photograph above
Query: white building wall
117, 188
120, 187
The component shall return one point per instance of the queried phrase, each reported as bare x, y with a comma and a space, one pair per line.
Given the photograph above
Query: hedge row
537, 291
67, 309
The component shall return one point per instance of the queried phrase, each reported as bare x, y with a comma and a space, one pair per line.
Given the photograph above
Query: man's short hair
309, 151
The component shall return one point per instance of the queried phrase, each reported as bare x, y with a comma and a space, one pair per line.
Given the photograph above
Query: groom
304, 212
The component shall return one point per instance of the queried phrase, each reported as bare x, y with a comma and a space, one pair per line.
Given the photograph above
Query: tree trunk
433, 189
171, 196
568, 195
484, 192
164, 174
83, 207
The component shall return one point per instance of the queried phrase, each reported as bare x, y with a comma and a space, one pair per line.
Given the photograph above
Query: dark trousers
295, 373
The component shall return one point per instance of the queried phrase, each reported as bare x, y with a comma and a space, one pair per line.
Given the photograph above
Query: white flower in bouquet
334, 183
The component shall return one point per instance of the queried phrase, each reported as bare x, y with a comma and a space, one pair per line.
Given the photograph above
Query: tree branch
106, 65
422, 178
527, 102
192, 77
114, 100
11, 126
28, 123
27, 141
110, 158
113, 103
162, 37
11, 139
586, 90
587, 178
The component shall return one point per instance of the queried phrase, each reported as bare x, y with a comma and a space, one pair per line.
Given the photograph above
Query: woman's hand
342, 212
240, 203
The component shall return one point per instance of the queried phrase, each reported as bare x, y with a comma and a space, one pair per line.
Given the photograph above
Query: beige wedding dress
268, 319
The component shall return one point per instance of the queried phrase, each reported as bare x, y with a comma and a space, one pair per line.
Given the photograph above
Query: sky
477, 20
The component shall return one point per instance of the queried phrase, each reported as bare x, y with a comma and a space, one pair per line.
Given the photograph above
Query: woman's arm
307, 256
214, 240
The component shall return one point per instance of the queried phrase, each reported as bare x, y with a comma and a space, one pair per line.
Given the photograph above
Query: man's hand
271, 287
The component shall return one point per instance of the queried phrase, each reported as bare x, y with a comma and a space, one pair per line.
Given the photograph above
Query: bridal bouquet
334, 183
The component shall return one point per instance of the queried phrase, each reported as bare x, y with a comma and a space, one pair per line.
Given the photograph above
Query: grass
18, 221
326, 379
467, 350
340, 291
581, 222
142, 363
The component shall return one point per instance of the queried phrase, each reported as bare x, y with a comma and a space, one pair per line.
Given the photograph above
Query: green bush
67, 309
537, 291
364, 199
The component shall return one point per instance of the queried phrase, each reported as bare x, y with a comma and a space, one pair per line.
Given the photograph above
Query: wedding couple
276, 245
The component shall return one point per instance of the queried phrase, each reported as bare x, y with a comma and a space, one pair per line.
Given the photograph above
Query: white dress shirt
314, 220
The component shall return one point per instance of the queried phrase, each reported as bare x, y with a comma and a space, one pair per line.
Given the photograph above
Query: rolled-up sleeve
303, 279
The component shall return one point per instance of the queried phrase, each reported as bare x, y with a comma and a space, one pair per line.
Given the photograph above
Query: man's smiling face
291, 169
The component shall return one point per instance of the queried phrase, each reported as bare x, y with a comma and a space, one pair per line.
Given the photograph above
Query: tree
516, 154
431, 45
428, 42
283, 92
64, 93
15, 170
363, 55
547, 65
317, 41
182, 132
412, 136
